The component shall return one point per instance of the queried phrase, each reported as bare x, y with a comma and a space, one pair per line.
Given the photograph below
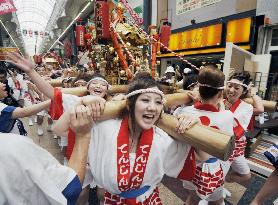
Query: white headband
239, 83
99, 79
192, 84
206, 85
147, 90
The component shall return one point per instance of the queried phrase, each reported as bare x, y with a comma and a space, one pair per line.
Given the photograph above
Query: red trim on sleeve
56, 106
71, 142
251, 124
189, 168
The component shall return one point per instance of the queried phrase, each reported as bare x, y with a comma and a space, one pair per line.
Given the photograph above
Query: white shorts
240, 165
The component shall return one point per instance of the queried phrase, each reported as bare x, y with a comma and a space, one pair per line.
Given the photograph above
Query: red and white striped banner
149, 37
133, 14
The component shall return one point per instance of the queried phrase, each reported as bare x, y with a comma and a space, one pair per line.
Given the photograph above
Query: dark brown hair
212, 76
140, 82
243, 76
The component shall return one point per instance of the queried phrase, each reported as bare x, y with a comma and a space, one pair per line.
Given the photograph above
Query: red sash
238, 129
126, 180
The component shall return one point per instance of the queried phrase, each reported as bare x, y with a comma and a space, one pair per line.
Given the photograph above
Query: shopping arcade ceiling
36, 17
33, 16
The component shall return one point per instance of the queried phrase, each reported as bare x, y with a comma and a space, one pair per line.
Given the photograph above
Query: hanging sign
196, 38
183, 6
102, 20
31, 33
6, 6
80, 32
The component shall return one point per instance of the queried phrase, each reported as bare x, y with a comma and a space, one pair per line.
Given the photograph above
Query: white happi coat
242, 115
167, 156
209, 175
62, 103
29, 175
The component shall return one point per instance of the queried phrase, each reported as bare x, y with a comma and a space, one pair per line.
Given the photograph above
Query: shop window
274, 41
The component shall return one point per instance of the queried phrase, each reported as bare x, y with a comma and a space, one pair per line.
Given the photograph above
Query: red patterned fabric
131, 181
126, 180
240, 144
206, 182
239, 150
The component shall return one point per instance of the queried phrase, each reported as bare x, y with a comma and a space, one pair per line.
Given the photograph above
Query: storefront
206, 43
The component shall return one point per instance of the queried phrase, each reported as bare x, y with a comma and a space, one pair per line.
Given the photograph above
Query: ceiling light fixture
58, 39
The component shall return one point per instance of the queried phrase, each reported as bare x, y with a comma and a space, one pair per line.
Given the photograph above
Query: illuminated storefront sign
196, 38
4, 51
238, 31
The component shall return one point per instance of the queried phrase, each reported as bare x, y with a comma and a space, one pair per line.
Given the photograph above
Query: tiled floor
171, 190
46, 141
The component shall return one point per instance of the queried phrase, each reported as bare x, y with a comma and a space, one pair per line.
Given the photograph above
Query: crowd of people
122, 160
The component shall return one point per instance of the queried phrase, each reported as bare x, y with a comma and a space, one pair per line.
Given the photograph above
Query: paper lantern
165, 33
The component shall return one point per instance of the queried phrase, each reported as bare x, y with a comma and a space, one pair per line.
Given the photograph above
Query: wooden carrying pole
56, 82
82, 91
269, 106
207, 139
210, 140
175, 99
